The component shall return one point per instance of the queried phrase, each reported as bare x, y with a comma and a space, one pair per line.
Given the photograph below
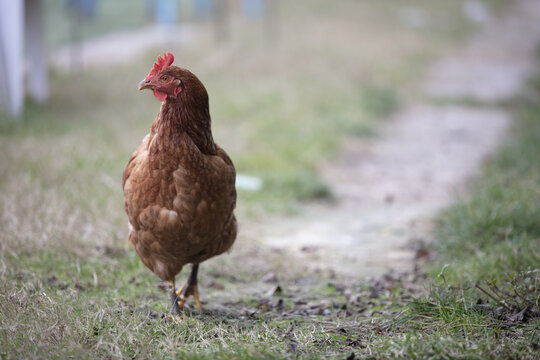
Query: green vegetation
496, 232
485, 298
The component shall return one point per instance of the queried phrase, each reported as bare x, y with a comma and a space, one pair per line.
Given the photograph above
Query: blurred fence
24, 34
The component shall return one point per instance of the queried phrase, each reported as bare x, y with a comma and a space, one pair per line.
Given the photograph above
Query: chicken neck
185, 116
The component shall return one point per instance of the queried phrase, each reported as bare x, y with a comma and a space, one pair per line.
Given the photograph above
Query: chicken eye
165, 78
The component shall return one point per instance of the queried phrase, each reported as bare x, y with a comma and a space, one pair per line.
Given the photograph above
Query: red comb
162, 62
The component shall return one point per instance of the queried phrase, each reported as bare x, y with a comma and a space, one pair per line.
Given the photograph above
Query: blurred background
287, 80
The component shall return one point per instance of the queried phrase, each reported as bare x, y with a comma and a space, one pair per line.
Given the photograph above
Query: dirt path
388, 189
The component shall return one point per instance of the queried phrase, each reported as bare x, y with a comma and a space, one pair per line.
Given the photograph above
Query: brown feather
179, 191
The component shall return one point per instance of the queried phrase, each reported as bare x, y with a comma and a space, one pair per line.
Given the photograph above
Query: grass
72, 288
485, 296
496, 231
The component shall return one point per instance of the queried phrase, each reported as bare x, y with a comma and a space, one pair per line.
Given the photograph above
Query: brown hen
179, 185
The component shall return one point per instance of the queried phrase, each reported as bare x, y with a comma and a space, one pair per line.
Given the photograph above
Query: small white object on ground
246, 182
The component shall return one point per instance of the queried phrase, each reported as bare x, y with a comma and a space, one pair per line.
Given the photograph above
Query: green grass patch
497, 231
485, 297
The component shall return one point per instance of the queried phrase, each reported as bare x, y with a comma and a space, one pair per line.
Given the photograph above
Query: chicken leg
175, 309
190, 288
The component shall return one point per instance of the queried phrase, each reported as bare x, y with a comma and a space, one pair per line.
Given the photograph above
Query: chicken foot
175, 309
190, 288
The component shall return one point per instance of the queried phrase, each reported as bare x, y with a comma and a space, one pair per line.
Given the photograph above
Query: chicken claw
190, 288
175, 309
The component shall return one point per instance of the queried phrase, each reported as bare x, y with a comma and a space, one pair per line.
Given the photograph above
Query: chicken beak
145, 84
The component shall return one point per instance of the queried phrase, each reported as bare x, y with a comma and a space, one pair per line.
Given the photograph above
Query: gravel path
389, 188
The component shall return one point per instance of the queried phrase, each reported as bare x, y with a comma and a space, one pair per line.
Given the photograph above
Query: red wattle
161, 96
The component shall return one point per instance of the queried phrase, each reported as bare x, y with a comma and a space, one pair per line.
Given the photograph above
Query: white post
11, 55
37, 76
